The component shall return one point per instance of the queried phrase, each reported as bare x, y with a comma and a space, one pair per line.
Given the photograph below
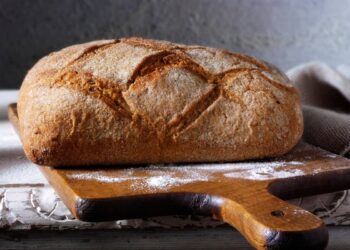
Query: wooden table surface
189, 239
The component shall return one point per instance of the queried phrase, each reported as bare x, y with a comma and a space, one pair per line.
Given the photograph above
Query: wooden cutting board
246, 195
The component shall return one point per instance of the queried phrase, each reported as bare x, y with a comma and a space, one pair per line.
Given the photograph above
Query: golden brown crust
134, 100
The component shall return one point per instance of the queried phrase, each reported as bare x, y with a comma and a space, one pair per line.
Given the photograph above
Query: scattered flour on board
165, 181
163, 177
102, 177
265, 170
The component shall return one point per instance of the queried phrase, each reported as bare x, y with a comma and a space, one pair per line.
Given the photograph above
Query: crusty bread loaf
134, 100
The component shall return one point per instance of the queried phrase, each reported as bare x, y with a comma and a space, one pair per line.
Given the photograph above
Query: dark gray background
284, 32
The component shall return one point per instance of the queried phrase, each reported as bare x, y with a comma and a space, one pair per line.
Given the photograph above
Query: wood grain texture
249, 205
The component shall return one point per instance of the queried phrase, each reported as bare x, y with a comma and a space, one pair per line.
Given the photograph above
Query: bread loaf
134, 100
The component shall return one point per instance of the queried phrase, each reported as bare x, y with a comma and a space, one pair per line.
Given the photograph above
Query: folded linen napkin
325, 94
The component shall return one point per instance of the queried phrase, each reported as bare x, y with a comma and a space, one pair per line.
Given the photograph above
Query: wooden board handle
270, 223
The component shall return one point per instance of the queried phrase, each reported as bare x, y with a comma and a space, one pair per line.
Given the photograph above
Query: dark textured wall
285, 32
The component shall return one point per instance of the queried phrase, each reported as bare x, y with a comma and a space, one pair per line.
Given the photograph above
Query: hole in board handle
277, 213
